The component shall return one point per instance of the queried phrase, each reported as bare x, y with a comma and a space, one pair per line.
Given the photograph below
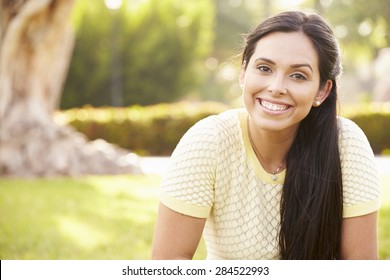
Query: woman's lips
275, 107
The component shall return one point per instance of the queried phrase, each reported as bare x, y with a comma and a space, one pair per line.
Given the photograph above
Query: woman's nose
277, 85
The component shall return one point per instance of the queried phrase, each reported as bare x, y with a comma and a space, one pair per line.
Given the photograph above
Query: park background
85, 134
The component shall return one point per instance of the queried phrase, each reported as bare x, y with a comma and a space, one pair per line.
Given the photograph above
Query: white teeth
273, 106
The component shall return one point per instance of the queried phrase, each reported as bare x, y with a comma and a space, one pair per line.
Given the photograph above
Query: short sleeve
188, 185
361, 187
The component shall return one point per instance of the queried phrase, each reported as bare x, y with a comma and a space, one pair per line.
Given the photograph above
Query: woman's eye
264, 69
299, 76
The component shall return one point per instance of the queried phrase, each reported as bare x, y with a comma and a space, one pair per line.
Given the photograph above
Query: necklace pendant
274, 177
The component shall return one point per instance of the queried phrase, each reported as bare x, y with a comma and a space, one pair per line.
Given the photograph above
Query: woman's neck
271, 147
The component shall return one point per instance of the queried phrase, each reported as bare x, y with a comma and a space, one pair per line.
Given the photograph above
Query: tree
160, 43
233, 19
36, 43
364, 33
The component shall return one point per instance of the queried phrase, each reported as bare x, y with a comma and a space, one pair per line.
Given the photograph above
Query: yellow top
215, 174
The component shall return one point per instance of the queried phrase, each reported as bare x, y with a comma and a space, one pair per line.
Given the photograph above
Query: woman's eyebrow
265, 59
297, 65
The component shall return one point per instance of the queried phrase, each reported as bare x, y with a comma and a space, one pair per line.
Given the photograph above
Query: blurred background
151, 51
147, 52
138, 74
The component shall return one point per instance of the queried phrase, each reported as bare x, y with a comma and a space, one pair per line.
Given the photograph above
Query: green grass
384, 219
88, 218
109, 217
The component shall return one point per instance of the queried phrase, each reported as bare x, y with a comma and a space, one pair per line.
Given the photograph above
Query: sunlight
385, 180
113, 4
290, 3
141, 187
81, 234
134, 5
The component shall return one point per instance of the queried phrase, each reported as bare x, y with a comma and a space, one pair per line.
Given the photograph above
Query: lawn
86, 218
384, 219
108, 217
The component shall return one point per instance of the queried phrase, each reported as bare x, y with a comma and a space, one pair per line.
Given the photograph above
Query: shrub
376, 126
149, 130
156, 130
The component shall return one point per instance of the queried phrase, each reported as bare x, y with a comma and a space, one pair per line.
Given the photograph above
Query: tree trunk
36, 44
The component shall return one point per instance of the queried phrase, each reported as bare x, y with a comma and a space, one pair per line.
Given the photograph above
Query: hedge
376, 126
150, 130
156, 130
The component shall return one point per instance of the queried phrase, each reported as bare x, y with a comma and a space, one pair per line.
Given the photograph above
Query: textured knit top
214, 174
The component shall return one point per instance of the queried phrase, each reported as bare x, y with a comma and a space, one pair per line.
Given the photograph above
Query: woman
284, 178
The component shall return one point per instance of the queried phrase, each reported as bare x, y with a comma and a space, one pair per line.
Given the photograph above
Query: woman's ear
323, 93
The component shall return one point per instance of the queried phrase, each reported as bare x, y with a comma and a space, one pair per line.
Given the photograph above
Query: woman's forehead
286, 47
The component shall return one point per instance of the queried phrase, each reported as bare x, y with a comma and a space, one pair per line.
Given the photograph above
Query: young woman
284, 178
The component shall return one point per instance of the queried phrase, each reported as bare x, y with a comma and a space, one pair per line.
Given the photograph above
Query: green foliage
157, 44
363, 31
153, 130
376, 127
374, 120
156, 129
169, 49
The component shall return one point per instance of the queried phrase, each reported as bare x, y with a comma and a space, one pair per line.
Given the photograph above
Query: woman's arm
176, 235
359, 240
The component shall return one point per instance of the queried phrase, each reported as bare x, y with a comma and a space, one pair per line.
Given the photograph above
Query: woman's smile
273, 107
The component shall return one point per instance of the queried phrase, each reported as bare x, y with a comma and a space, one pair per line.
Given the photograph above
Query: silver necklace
274, 176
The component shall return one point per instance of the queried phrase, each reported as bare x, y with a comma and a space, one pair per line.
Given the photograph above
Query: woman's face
281, 81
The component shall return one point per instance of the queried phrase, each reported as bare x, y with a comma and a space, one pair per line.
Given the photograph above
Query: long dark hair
312, 198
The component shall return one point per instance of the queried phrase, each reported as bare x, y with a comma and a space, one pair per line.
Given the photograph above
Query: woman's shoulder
212, 131
351, 134
347, 125
216, 124
353, 143
359, 170
226, 117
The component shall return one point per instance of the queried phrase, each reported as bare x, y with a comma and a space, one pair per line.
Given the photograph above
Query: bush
149, 130
143, 48
374, 119
156, 130
376, 126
